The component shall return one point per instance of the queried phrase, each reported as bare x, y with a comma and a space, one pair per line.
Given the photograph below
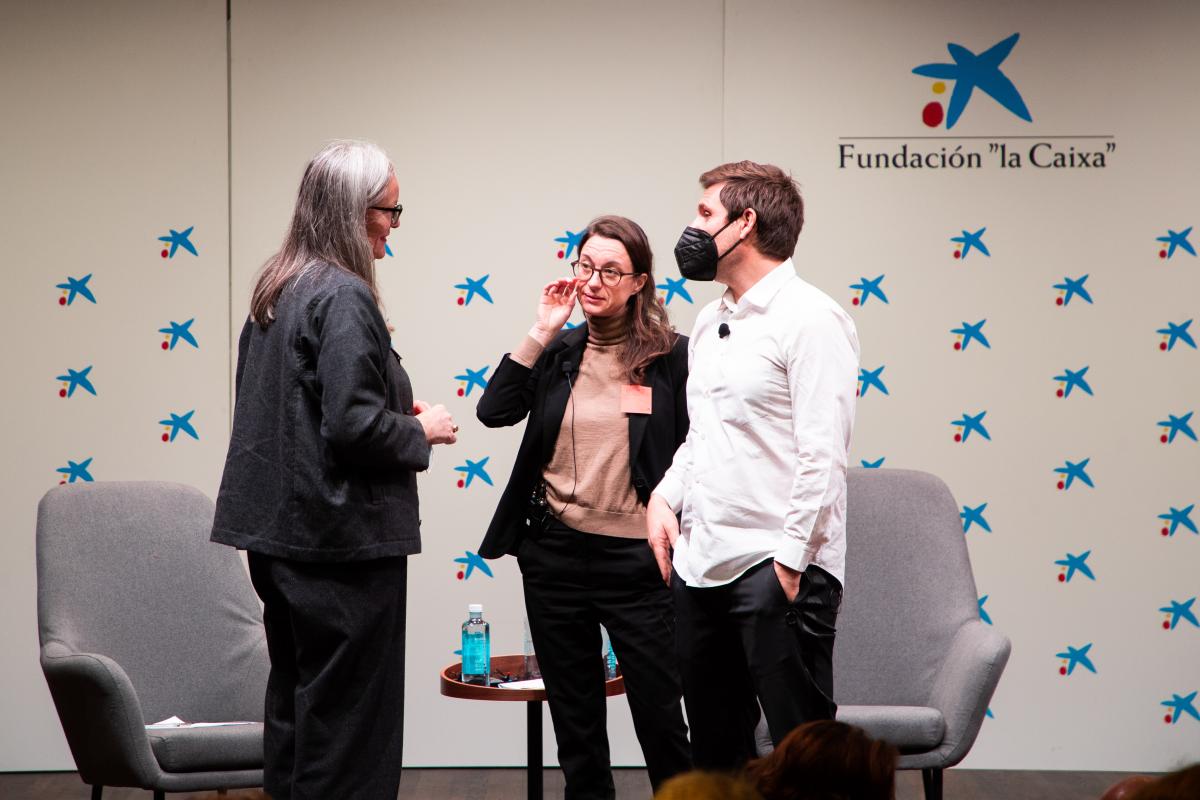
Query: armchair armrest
965, 683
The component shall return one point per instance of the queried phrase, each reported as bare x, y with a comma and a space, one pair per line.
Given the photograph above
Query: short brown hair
827, 759
772, 193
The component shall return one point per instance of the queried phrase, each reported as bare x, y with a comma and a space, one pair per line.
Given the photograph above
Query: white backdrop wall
512, 126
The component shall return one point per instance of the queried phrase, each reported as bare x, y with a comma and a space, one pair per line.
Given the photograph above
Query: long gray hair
329, 222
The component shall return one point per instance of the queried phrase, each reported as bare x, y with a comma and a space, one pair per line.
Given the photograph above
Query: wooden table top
514, 666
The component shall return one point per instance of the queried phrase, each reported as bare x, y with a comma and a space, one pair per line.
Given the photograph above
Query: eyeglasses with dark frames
395, 211
608, 275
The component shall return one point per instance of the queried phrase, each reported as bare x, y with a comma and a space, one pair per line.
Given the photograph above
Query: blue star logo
673, 287
1072, 379
868, 378
567, 326
1075, 563
970, 424
1176, 517
968, 332
76, 379
1069, 288
177, 239
983, 614
1173, 425
177, 424
969, 241
473, 470
470, 379
76, 287
974, 516
387, 249
1180, 705
471, 562
1175, 240
472, 287
1176, 332
569, 243
970, 71
75, 471
876, 464
866, 288
175, 331
1073, 471
1076, 656
1181, 611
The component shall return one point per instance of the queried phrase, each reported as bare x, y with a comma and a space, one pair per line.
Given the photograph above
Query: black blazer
541, 393
324, 450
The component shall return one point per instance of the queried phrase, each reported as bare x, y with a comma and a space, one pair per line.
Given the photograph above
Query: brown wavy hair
650, 331
827, 760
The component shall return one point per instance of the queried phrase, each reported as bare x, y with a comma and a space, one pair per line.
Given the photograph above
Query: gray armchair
140, 618
913, 664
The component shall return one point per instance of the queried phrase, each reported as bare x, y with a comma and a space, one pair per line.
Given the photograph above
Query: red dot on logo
1163, 438
1162, 345
958, 437
1058, 302
1062, 578
1165, 531
461, 484
1060, 393
62, 483
62, 392
562, 254
164, 253
1162, 253
62, 301
166, 437
854, 302
933, 114
461, 301
1166, 625
460, 576
1062, 670
958, 345
166, 346
461, 393
1061, 485
1167, 719
958, 253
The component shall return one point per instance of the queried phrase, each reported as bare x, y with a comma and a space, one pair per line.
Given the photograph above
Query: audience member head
827, 760
699, 785
1183, 784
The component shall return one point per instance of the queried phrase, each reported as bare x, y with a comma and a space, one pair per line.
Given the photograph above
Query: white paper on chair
176, 722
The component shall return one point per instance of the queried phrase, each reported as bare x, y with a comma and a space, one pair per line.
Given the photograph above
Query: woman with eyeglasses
606, 411
320, 485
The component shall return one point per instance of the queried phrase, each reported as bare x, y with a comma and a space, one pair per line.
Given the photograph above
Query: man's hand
662, 529
789, 579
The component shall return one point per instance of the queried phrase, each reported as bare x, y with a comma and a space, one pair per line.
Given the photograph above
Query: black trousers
335, 696
574, 583
743, 644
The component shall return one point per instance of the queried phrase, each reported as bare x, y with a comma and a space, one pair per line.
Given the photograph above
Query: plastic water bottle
607, 653
476, 647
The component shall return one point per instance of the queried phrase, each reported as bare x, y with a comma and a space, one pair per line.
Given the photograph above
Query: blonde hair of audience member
698, 785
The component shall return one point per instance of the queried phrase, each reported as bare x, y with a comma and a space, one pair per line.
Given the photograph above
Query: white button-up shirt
762, 473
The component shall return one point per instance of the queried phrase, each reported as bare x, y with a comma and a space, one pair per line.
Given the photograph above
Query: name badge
636, 399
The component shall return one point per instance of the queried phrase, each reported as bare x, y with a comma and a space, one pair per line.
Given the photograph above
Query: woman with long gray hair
320, 485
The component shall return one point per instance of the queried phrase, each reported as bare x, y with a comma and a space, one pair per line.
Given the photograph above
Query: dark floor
503, 784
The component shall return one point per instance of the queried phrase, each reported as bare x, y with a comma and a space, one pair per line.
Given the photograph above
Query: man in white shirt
759, 552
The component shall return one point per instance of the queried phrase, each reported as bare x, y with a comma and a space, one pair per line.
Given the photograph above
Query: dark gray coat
324, 451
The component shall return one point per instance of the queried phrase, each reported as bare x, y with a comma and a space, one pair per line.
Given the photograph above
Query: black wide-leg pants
574, 583
743, 644
335, 695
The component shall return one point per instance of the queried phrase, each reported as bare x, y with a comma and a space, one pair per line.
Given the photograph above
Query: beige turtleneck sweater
588, 480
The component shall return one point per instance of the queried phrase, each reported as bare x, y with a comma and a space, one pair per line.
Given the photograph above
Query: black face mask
696, 253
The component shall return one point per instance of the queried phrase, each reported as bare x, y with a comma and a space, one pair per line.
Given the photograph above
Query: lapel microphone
723, 330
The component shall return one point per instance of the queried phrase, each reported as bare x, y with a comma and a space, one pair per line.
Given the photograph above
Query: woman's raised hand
554, 309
